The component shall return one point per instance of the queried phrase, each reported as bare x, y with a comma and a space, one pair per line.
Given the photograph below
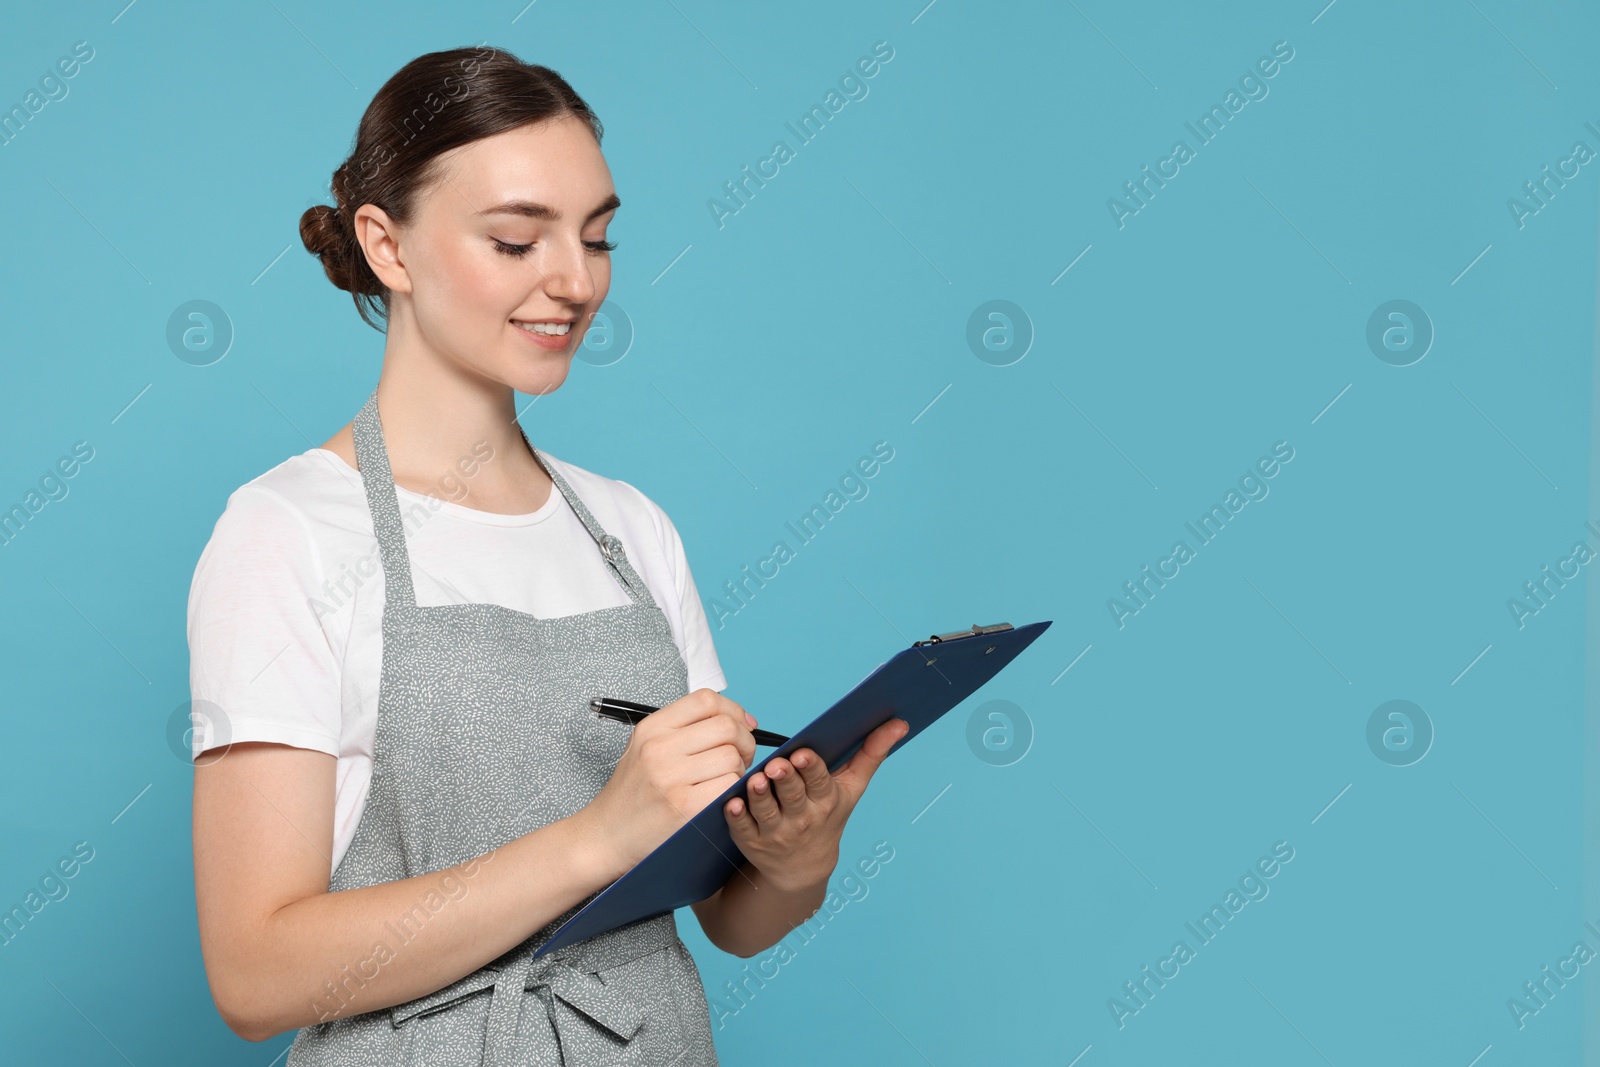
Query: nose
567, 277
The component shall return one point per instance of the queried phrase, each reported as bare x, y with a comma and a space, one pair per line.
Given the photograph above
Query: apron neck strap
610, 547
372, 459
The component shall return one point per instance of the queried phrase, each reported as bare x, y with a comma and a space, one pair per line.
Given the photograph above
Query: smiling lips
549, 334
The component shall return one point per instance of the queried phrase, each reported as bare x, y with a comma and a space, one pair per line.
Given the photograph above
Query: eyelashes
510, 250
522, 250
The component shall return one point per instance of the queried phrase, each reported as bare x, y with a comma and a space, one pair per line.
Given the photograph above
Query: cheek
464, 290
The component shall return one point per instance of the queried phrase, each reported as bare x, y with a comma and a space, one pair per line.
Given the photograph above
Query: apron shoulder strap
372, 459
610, 546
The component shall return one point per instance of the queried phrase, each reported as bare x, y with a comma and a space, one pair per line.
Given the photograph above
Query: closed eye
510, 249
522, 250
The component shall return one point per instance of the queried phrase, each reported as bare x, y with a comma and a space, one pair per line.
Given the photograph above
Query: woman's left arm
789, 834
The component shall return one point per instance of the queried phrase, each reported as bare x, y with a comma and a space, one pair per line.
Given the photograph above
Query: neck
437, 414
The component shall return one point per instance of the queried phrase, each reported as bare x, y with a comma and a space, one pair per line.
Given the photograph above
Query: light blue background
830, 313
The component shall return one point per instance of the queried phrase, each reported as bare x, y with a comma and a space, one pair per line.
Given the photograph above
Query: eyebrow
529, 209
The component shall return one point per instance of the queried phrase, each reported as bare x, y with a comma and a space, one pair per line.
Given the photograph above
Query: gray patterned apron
484, 734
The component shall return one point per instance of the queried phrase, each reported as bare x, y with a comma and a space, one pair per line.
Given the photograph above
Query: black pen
626, 711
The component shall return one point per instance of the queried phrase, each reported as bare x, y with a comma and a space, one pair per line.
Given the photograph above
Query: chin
540, 380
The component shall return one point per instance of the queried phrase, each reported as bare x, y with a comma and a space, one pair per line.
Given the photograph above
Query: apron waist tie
596, 1002
568, 975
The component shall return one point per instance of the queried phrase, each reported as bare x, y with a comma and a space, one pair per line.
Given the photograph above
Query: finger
745, 742
819, 783
746, 722
740, 822
728, 726
762, 803
789, 786
702, 703
714, 732
708, 792
869, 757
715, 764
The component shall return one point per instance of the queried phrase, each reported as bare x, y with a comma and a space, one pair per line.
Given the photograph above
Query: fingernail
799, 761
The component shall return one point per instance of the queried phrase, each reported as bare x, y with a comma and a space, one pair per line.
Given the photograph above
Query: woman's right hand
679, 759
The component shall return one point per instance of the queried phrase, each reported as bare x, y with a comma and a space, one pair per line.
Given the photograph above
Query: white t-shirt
285, 610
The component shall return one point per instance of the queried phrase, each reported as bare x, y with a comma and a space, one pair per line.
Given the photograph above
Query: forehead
556, 162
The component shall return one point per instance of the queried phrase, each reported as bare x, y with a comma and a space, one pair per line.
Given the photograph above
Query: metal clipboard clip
976, 631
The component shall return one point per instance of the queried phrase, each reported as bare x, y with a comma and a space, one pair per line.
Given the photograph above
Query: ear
379, 238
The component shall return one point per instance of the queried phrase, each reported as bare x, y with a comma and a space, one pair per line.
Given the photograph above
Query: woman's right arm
282, 952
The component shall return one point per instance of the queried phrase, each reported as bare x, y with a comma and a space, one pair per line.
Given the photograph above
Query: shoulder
314, 485
292, 509
628, 512
611, 499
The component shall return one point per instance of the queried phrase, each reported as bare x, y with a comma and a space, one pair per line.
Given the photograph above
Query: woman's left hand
797, 811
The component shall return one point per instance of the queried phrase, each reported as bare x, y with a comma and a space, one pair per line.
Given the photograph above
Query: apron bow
595, 1001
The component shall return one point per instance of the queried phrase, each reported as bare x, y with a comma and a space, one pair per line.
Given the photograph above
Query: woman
423, 737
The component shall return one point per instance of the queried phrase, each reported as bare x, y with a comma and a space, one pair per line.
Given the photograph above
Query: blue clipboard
918, 685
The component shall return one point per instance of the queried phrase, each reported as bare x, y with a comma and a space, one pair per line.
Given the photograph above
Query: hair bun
323, 233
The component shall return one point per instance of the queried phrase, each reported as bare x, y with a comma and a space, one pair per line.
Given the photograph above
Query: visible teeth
555, 329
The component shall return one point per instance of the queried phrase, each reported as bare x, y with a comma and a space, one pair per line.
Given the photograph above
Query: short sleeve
699, 653
257, 650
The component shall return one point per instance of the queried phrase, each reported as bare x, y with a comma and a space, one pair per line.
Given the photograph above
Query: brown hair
434, 103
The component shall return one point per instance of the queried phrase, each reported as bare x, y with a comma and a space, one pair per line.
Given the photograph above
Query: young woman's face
510, 243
